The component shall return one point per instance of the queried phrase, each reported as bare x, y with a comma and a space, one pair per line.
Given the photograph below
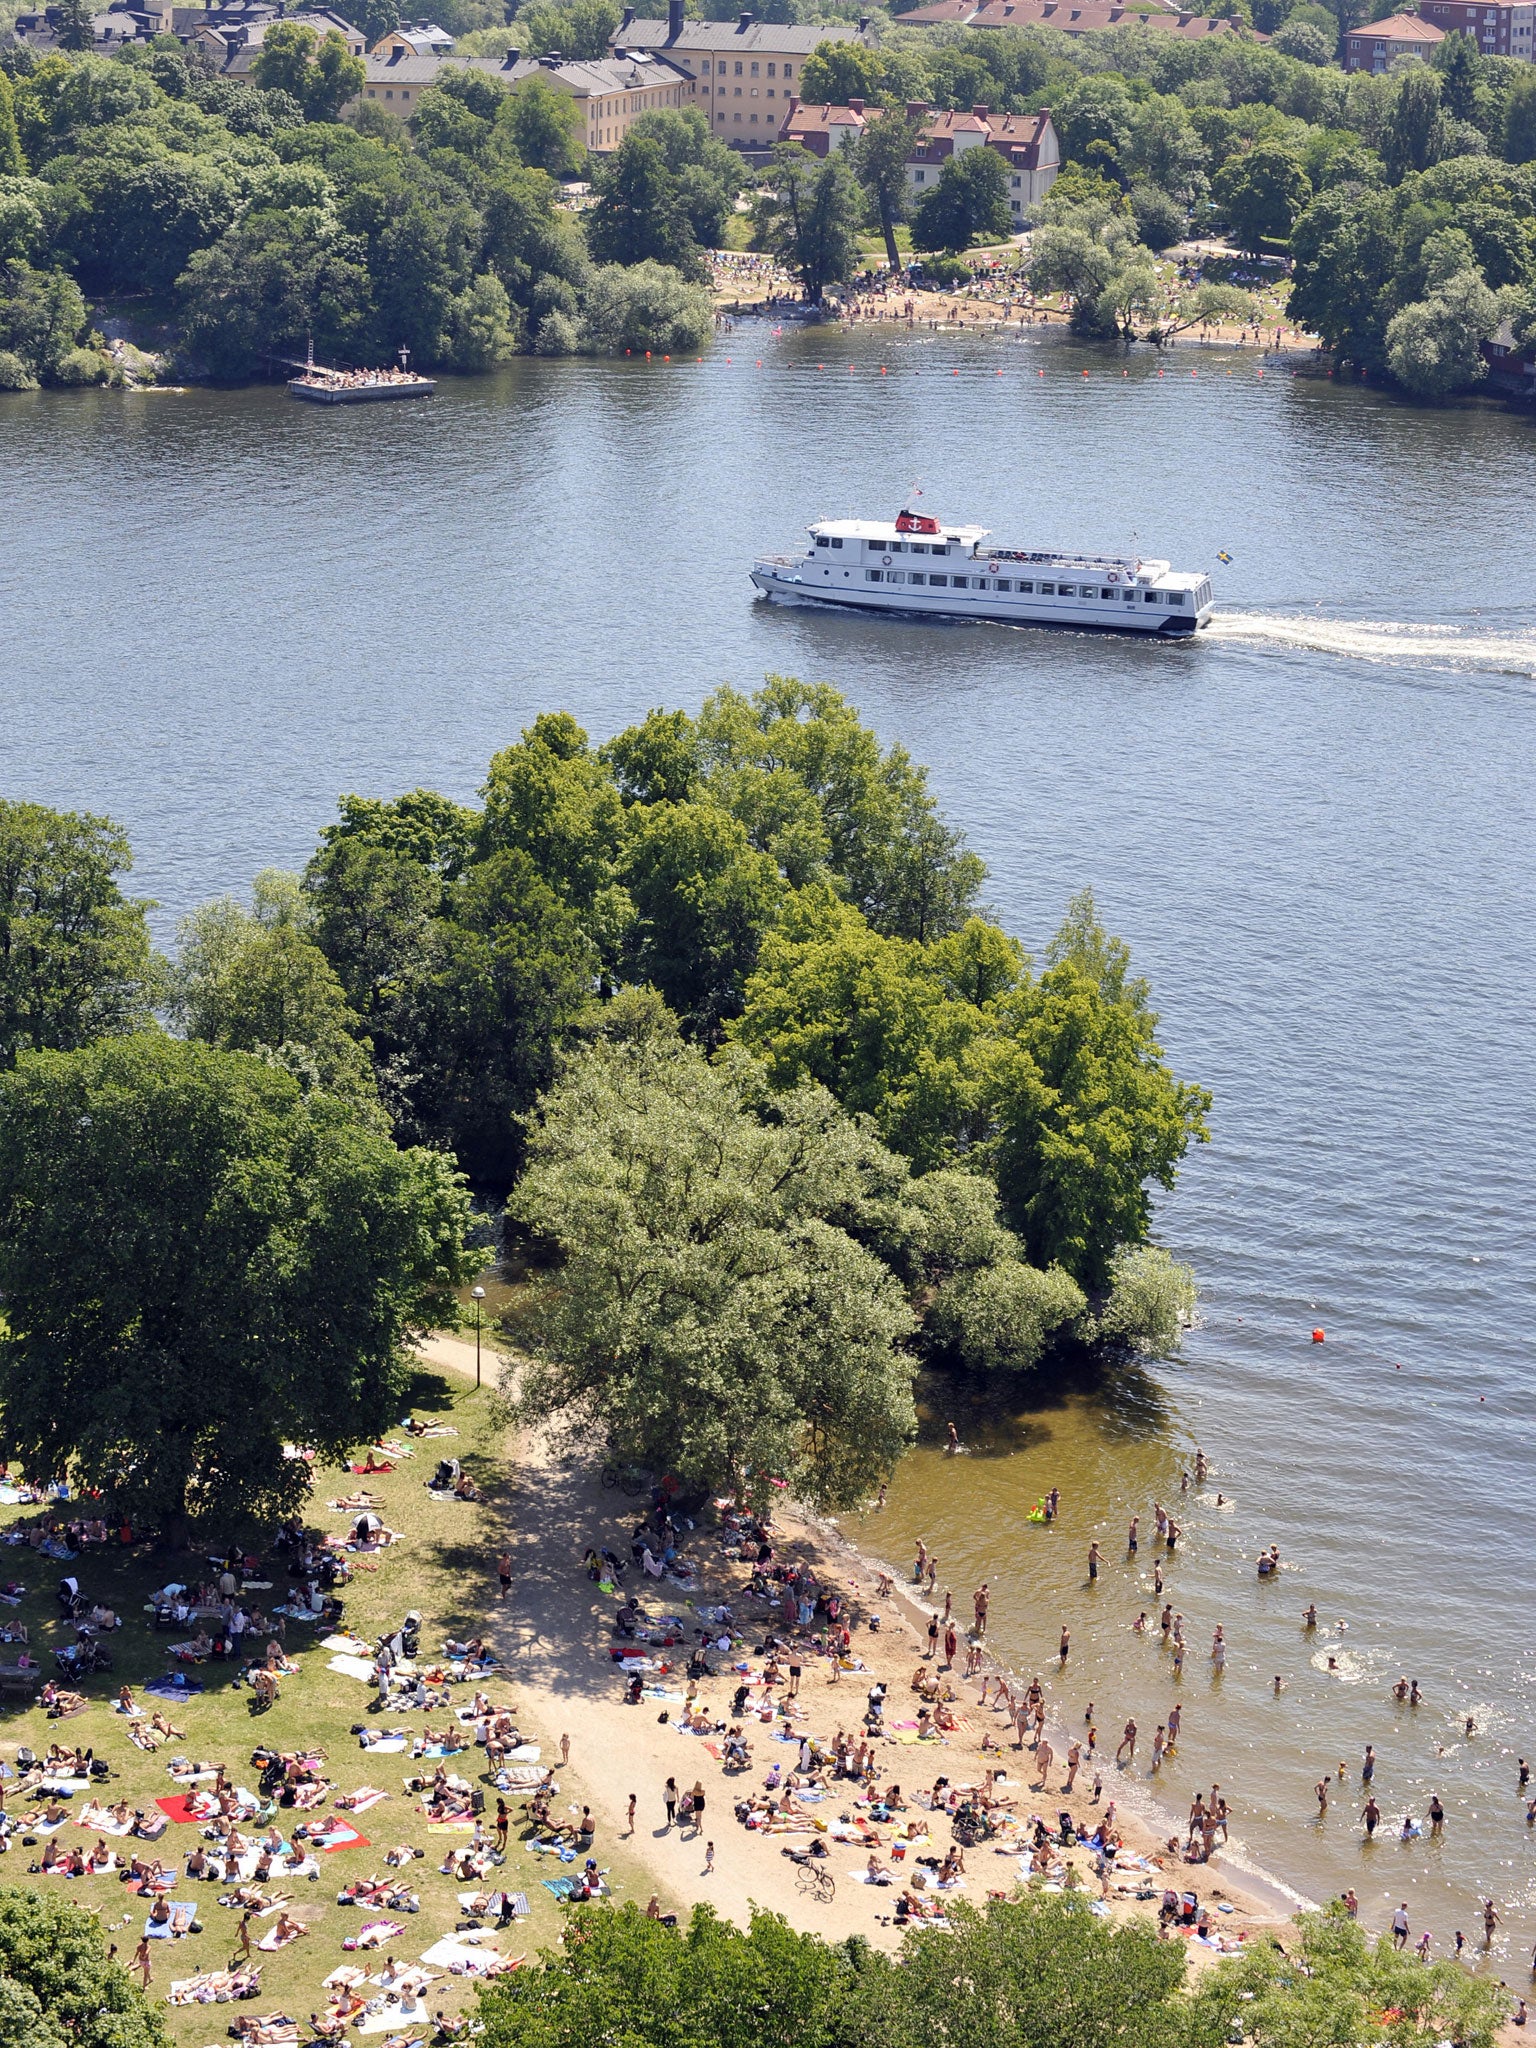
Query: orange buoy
1319, 1336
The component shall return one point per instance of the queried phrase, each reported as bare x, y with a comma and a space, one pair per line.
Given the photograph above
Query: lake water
1314, 826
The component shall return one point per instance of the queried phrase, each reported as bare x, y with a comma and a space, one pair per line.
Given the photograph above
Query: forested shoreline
711, 1020
241, 218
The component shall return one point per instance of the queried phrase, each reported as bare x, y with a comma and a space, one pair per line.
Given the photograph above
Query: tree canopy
57, 1983
709, 1311
75, 959
201, 1264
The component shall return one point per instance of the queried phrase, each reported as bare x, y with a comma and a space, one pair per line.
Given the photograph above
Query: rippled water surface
1314, 826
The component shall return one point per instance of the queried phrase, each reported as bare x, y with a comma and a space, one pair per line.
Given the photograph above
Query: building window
754, 71
787, 72
754, 118
706, 67
917, 177
738, 67
737, 92
770, 71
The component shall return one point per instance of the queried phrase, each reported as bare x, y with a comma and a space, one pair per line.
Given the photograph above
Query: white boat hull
782, 583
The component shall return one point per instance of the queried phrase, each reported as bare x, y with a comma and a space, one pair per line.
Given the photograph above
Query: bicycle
629, 1479
817, 1883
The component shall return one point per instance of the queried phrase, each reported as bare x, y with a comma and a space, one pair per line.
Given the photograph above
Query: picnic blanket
352, 1667
360, 1801
173, 1686
333, 1833
374, 1933
183, 1913
351, 1646
458, 1955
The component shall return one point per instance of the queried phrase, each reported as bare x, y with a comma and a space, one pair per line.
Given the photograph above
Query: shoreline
1268, 1886
572, 1686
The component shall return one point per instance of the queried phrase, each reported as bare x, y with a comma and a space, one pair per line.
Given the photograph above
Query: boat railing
780, 561
1044, 558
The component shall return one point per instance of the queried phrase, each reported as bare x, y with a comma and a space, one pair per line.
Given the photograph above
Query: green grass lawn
445, 1568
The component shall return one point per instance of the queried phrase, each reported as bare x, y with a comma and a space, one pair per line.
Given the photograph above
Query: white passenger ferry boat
917, 565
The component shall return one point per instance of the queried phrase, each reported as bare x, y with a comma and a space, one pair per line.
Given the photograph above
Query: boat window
1047, 590
1003, 583
894, 576
1106, 593
1151, 596
914, 578
821, 540
1065, 590
958, 582
919, 547
837, 543
1176, 597
873, 575
938, 579
1026, 587
1130, 597
897, 547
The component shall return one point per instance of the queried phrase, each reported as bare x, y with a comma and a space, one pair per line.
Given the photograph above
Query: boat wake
1459, 649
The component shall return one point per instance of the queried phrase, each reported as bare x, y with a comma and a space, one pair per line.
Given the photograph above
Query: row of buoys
884, 371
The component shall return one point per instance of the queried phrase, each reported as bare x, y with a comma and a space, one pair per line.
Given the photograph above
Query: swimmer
954, 1440
1333, 1663
1139, 1625
1279, 1684
1414, 1695
1321, 1789
1436, 1814
1400, 1690
1471, 1728
1309, 1617
1370, 1813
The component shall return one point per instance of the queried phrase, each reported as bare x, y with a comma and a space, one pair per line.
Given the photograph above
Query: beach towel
343, 1977
351, 1646
173, 1686
373, 1934
352, 1667
386, 1745
271, 1943
361, 1801
333, 1834
180, 1922
177, 1807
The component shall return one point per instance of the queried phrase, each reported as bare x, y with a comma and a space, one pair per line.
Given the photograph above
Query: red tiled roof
1397, 28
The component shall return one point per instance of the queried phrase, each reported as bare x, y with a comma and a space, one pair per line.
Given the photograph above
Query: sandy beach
571, 1684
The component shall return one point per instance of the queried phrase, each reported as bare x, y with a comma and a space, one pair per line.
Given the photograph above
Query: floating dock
359, 387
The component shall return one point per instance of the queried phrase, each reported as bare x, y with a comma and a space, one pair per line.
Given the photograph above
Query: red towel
177, 1808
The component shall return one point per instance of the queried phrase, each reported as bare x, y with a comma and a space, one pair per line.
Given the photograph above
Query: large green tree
75, 959
201, 1264
1261, 193
808, 215
59, 1988
255, 981
880, 160
708, 1315
1087, 1112
812, 784
619, 1976
638, 215
968, 204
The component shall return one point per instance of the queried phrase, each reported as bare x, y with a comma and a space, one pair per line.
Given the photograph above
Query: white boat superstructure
917, 565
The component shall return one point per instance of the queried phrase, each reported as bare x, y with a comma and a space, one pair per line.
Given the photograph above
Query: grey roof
765, 37
602, 74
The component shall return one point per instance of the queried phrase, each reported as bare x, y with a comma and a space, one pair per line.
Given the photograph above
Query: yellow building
742, 75
611, 93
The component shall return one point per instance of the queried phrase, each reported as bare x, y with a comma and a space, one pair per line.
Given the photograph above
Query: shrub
558, 335
946, 271
1160, 221
644, 306
998, 1319
81, 366
14, 374
1151, 1299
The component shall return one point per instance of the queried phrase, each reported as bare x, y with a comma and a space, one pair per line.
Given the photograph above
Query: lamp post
477, 1295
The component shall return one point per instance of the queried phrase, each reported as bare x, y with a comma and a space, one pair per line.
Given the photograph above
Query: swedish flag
1222, 555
